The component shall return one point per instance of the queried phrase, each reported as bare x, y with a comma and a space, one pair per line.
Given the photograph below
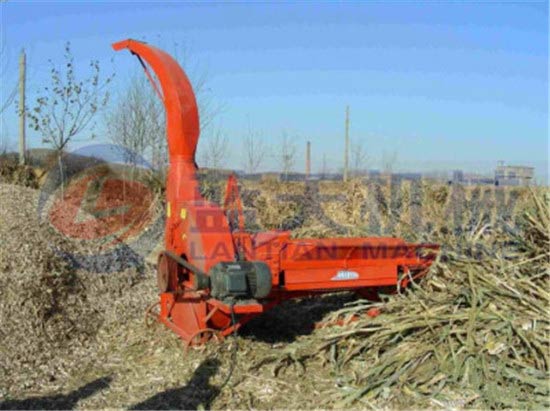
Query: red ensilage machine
214, 277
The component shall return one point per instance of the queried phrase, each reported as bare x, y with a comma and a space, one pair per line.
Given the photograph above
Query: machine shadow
294, 318
197, 392
57, 402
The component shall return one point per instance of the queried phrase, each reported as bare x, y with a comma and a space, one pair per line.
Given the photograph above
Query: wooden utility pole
22, 68
346, 153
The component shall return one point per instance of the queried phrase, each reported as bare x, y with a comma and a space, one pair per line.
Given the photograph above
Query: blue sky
443, 85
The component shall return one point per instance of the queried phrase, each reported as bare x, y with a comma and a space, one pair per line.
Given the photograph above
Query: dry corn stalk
475, 333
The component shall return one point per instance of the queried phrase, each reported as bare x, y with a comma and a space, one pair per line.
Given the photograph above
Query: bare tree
286, 154
4, 144
68, 105
359, 157
8, 91
389, 159
10, 97
254, 150
324, 166
216, 149
136, 124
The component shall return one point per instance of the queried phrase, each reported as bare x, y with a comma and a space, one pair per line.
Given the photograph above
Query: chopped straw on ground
473, 334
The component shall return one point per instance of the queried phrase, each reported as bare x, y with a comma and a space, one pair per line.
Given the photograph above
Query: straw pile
474, 334
50, 312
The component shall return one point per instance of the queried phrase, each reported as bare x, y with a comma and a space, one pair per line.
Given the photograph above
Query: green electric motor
240, 279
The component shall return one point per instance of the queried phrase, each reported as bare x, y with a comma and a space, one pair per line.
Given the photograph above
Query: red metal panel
340, 278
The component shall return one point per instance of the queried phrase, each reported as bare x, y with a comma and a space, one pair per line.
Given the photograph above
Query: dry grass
13, 173
475, 334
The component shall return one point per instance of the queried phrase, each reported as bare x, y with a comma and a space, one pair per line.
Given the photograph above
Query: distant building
473, 179
513, 175
480, 180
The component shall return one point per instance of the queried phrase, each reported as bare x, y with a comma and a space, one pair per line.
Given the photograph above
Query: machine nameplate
345, 275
